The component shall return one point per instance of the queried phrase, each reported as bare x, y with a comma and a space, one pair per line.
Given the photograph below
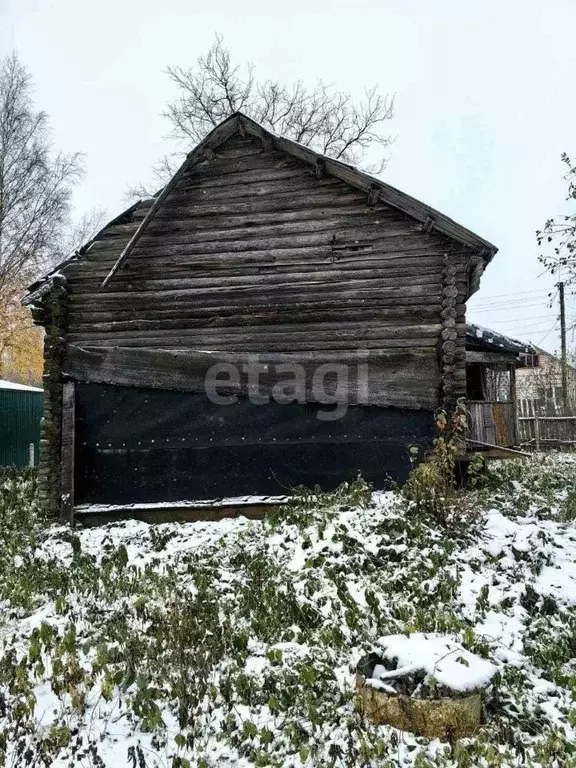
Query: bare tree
79, 231
325, 119
559, 234
35, 181
36, 227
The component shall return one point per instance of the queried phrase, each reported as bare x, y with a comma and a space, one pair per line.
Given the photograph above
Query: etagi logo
332, 384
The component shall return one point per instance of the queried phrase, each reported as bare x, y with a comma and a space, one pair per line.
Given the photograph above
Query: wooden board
68, 450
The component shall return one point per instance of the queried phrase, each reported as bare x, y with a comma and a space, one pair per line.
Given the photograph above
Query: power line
521, 296
517, 293
525, 322
507, 305
543, 339
517, 321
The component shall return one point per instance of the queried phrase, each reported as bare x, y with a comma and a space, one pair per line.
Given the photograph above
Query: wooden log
204, 317
378, 239
240, 283
284, 331
238, 345
398, 267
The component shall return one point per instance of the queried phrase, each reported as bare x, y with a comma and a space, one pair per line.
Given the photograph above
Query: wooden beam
320, 168
500, 448
428, 224
373, 195
144, 223
512, 369
68, 449
473, 356
214, 139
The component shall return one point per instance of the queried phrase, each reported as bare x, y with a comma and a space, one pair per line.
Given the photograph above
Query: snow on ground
235, 643
438, 656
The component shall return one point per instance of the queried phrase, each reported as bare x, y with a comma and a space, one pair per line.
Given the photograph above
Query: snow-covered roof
484, 338
13, 385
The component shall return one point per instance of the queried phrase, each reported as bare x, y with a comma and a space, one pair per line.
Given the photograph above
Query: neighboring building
20, 414
492, 369
539, 384
257, 246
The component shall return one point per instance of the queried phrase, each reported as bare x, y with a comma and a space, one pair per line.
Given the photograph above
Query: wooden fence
545, 431
492, 423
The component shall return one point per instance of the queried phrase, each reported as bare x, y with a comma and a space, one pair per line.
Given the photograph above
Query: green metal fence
20, 414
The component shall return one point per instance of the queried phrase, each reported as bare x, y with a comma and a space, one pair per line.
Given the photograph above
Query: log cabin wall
256, 250
251, 252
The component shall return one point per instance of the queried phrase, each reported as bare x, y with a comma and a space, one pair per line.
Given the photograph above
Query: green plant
431, 486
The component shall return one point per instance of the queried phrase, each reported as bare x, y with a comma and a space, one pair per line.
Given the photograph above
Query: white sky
484, 103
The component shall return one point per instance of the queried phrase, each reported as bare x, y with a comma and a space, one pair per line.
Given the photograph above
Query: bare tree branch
35, 182
559, 234
322, 118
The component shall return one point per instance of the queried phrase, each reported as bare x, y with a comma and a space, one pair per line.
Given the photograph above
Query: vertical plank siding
20, 414
493, 422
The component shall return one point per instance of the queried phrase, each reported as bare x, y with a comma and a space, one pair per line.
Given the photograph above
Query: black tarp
148, 445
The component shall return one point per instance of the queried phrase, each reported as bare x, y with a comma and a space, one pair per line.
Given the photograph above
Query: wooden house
258, 253
492, 363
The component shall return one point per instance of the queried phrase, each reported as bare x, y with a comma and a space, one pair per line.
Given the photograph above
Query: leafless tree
328, 120
35, 182
559, 234
79, 231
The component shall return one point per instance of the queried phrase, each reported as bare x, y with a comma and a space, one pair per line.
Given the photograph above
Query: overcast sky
484, 103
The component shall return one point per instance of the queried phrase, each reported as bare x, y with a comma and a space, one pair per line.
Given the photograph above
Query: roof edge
349, 174
430, 218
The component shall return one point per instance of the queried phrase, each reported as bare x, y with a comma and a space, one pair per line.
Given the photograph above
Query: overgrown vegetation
235, 643
433, 487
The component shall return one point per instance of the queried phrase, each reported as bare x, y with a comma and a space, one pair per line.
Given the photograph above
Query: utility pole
563, 347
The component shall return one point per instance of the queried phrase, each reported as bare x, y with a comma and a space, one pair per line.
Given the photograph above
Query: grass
235, 643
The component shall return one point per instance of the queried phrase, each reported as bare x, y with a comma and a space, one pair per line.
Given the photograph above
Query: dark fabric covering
144, 445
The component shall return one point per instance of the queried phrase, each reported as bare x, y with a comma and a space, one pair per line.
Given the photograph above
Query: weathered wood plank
403, 267
272, 280
285, 332
68, 450
190, 318
256, 263
389, 373
273, 247
179, 231
267, 296
277, 307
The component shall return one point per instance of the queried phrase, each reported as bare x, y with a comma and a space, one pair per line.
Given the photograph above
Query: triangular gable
376, 189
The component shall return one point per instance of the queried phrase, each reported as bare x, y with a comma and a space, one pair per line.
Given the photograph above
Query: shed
272, 317
20, 414
491, 363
